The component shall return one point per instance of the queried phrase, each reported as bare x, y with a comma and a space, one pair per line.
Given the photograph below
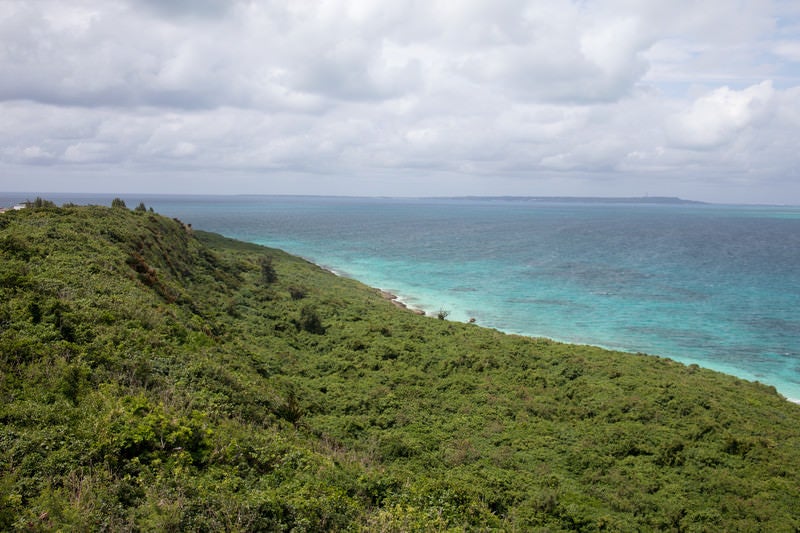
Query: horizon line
508, 197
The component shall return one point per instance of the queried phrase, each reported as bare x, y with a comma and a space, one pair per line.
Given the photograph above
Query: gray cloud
187, 8
339, 97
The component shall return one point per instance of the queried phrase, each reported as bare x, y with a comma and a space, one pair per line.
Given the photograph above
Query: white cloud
789, 50
35, 152
513, 95
717, 117
88, 152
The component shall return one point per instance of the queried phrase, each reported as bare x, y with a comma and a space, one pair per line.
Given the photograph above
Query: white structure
13, 208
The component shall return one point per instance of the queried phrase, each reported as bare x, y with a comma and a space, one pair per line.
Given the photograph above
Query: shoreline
400, 304
386, 295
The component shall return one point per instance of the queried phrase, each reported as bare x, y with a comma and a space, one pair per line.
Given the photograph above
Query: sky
699, 100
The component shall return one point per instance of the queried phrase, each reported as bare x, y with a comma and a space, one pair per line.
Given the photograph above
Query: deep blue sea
714, 285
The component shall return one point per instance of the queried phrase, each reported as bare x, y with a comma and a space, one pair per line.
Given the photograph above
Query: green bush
268, 273
155, 377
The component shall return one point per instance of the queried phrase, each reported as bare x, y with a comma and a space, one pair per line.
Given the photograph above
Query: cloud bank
412, 98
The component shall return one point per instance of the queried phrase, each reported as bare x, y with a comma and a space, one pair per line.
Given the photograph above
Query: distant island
671, 200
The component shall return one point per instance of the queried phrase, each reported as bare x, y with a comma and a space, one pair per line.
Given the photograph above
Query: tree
310, 321
118, 202
268, 274
40, 202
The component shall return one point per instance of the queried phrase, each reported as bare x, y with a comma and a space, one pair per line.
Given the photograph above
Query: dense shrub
154, 377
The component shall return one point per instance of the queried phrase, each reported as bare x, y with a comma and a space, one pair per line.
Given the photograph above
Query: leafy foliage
268, 274
153, 377
40, 202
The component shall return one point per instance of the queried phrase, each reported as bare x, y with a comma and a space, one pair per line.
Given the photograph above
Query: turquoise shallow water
706, 284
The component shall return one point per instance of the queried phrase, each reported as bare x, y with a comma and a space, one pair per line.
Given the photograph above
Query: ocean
713, 285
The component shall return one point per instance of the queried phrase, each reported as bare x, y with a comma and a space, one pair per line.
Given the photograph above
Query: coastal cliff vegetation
159, 378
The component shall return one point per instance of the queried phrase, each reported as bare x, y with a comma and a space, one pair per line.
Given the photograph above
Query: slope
154, 377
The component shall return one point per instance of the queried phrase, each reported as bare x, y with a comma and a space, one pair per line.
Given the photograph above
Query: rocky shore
396, 301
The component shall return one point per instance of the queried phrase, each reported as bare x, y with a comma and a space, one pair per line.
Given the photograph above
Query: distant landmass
672, 200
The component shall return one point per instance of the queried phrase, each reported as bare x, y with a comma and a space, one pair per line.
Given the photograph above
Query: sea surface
715, 285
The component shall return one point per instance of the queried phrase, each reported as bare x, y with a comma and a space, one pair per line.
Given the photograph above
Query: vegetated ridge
154, 377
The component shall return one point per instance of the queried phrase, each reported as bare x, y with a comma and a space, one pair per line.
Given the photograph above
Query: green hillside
159, 378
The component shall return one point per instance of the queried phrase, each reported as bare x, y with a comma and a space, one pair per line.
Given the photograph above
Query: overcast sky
403, 97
